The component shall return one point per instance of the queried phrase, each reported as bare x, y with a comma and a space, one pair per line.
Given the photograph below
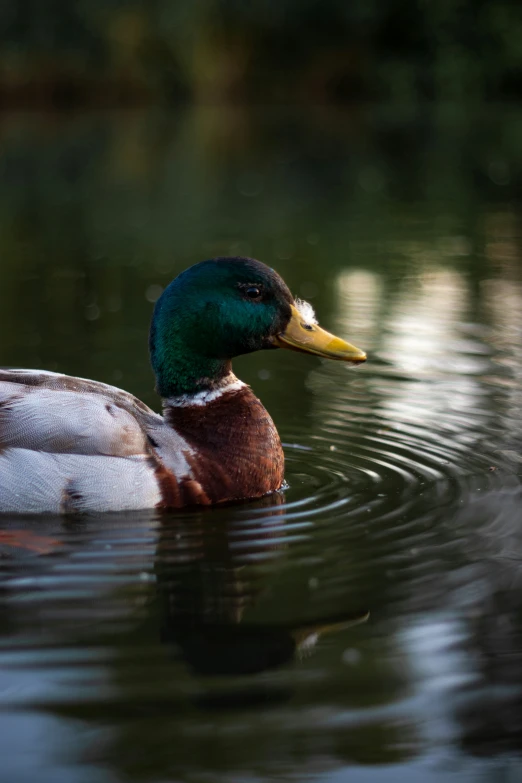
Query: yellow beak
310, 338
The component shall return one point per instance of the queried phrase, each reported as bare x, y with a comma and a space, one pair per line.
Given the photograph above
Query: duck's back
69, 444
73, 445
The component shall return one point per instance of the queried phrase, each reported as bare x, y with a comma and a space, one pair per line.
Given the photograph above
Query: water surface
365, 623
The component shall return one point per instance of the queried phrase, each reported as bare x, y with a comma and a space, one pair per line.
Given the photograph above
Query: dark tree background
63, 52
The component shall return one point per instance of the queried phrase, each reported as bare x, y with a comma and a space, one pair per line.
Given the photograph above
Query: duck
71, 445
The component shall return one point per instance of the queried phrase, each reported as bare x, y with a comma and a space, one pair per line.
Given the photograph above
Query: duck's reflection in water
196, 673
209, 577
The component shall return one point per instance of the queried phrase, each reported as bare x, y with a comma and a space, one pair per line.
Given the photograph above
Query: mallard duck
73, 445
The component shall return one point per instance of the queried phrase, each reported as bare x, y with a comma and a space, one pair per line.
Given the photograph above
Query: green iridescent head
223, 308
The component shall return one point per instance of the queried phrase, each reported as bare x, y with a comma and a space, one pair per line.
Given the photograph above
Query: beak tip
354, 356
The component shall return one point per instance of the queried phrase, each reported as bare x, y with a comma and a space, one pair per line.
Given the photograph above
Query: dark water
364, 625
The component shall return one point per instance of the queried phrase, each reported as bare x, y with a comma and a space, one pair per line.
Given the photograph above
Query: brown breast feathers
237, 451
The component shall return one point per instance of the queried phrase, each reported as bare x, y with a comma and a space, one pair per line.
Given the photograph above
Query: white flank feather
37, 481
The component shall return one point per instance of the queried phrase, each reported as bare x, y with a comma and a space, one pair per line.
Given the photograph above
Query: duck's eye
252, 291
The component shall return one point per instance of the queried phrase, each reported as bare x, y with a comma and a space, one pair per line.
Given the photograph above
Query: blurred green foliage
62, 52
